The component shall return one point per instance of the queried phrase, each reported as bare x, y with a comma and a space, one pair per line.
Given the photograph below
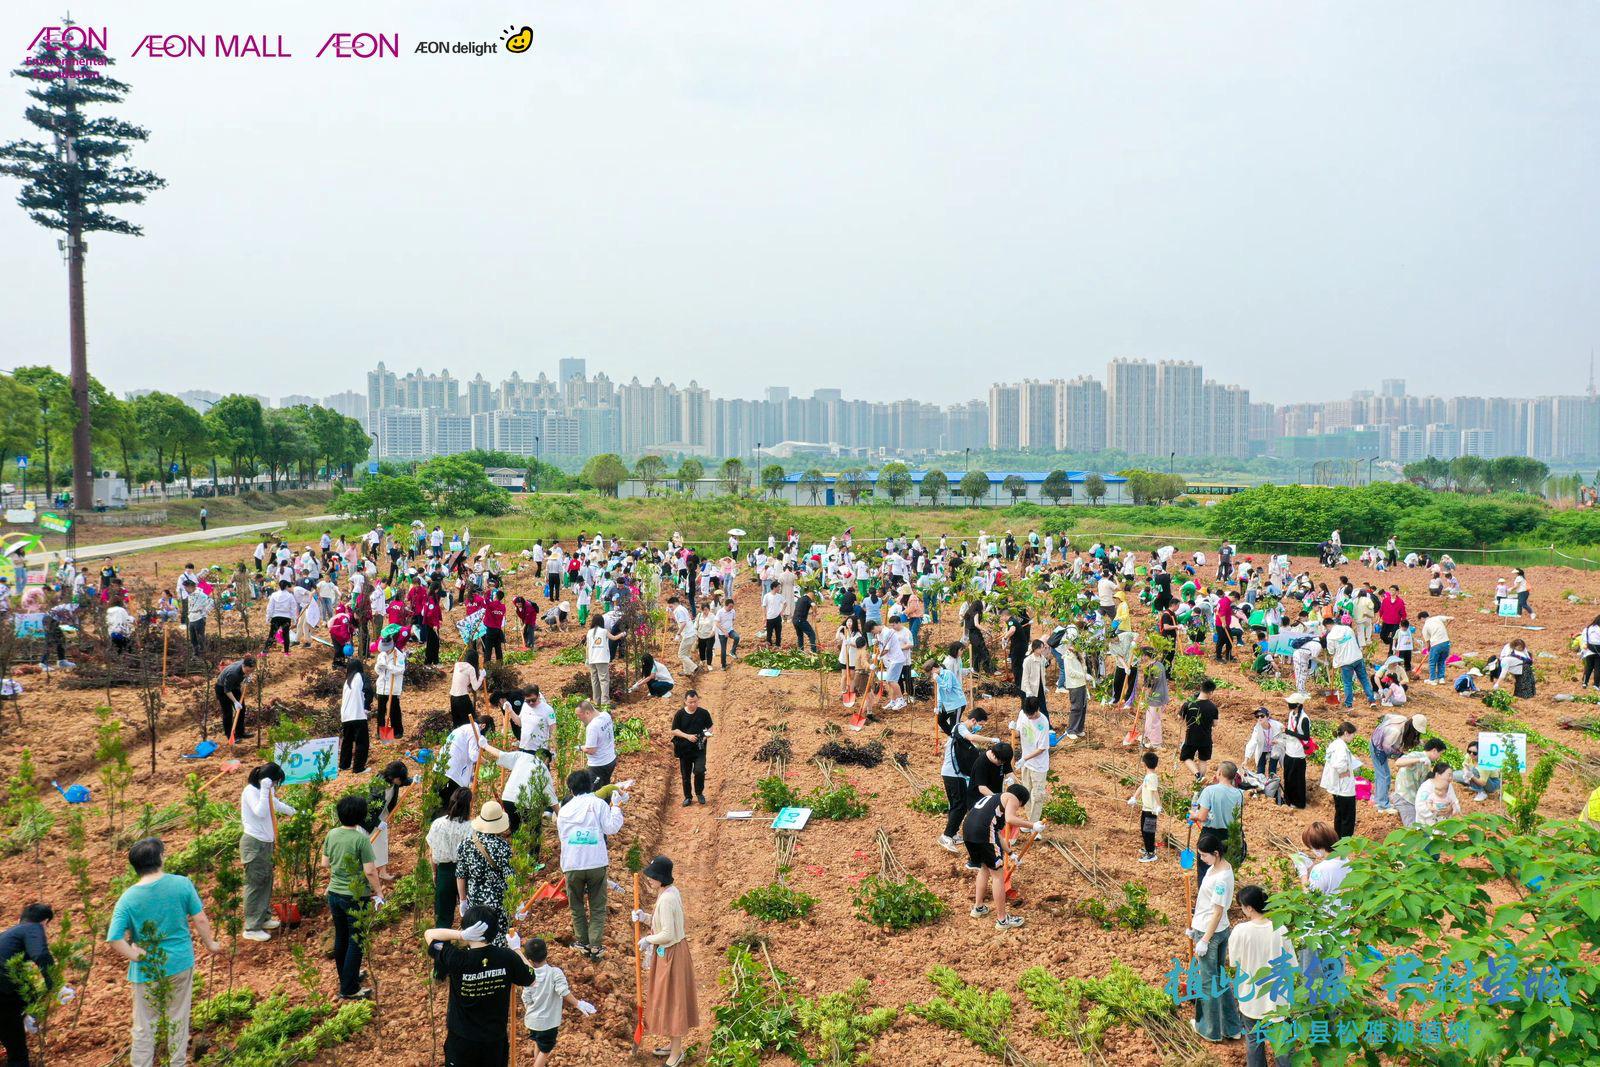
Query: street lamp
1172, 458
1370, 461
969, 459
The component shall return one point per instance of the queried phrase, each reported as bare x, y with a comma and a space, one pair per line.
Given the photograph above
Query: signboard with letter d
1493, 747
306, 761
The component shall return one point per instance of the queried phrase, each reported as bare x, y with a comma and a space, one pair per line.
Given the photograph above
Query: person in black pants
960, 755
802, 622
691, 727
989, 772
356, 701
1298, 727
230, 691
29, 940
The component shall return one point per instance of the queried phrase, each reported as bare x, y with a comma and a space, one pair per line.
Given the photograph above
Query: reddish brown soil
717, 860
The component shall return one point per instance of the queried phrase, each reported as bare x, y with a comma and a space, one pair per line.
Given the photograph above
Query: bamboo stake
638, 970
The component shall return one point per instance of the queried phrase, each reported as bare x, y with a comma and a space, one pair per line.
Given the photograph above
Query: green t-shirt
169, 902
343, 845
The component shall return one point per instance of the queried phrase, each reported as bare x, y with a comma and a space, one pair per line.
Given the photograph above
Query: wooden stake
638, 970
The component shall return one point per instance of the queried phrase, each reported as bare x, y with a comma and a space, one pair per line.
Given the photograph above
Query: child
1404, 641
1467, 684
541, 1002
1148, 800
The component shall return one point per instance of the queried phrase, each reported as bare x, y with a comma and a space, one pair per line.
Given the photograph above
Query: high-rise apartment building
1005, 417
1226, 421
1131, 407
349, 403
1180, 409
1036, 415
1080, 415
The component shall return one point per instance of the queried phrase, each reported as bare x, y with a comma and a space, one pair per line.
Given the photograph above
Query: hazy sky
896, 199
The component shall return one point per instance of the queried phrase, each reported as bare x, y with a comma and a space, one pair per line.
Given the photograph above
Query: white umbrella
736, 532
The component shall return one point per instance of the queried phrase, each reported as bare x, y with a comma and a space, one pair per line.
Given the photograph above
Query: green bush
897, 905
1063, 809
776, 903
931, 801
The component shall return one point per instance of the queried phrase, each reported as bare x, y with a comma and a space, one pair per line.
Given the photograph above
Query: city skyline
1162, 408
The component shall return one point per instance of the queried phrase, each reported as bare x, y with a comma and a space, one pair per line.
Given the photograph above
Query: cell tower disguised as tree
71, 180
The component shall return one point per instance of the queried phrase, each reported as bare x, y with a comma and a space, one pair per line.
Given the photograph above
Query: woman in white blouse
259, 808
1339, 780
391, 670
354, 737
670, 1006
445, 837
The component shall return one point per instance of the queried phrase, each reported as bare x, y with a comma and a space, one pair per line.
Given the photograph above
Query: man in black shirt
1199, 716
230, 691
690, 728
1019, 630
481, 977
29, 940
983, 832
802, 622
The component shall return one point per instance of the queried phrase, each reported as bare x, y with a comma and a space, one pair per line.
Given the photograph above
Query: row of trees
1474, 474
446, 485
143, 438
893, 481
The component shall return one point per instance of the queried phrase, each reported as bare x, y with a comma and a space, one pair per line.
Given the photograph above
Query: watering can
202, 749
74, 794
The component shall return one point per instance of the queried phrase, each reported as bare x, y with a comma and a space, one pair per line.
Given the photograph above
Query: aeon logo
72, 38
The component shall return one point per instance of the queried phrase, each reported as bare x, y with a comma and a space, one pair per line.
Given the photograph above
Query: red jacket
494, 614
429, 614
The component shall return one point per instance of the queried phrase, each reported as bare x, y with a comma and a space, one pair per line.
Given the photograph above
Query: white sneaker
1148, 857
1480, 796
948, 844
271, 924
256, 935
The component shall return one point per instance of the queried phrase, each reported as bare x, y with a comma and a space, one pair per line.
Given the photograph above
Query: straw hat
1296, 698
492, 819
1420, 721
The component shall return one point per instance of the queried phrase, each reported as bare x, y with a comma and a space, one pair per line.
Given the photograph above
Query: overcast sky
896, 199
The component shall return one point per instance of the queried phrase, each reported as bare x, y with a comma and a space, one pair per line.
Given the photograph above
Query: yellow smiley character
520, 41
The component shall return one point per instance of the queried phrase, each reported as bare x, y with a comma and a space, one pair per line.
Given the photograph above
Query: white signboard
1492, 749
306, 761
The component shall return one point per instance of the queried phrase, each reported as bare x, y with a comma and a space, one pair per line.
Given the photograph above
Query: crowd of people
1067, 632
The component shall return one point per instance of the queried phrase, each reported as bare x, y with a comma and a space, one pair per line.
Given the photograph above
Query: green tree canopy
732, 476
1094, 487
383, 499
604, 472
650, 470
895, 480
813, 482
690, 471
974, 485
1056, 485
772, 476
935, 484
457, 486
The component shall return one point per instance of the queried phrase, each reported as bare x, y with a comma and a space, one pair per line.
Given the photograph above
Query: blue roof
995, 477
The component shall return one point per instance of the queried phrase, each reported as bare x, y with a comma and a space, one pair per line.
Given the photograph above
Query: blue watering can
74, 794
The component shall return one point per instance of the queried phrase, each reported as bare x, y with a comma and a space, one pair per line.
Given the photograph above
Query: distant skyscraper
1081, 415
568, 369
1036, 415
1131, 406
1005, 417
296, 400
1393, 388
1180, 409
480, 396
348, 403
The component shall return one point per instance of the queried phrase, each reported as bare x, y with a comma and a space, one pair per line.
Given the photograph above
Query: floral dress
484, 863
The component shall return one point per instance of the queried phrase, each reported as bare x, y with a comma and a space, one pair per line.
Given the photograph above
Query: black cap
659, 870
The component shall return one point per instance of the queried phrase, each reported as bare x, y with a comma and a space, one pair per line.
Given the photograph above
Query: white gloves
585, 1007
377, 900
30, 1024
513, 941
522, 913
475, 932
461, 908
640, 915
1202, 946
1133, 801
66, 995
1038, 827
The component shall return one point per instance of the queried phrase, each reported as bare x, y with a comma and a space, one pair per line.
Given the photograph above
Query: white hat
1420, 721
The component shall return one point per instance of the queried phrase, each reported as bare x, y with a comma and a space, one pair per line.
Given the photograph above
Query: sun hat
1295, 698
492, 818
1420, 721
1475, 672
659, 870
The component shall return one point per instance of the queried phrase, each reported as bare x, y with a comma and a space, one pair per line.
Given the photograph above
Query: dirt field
719, 859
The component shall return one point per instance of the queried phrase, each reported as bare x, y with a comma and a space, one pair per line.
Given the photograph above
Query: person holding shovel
671, 1008
983, 832
230, 692
482, 965
259, 808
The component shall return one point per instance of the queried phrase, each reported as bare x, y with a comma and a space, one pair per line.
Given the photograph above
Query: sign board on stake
306, 761
1493, 746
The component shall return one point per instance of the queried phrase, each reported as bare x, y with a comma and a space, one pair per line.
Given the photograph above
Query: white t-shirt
1034, 733
600, 734
538, 722
599, 644
1251, 948
1216, 889
463, 755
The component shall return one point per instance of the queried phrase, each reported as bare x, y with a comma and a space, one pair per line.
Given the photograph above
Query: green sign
54, 523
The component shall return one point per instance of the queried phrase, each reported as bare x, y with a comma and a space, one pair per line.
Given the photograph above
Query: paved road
216, 533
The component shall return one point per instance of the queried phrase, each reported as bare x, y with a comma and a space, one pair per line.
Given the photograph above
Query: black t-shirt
802, 608
986, 772
1021, 634
231, 680
480, 987
847, 602
696, 722
1198, 718
983, 822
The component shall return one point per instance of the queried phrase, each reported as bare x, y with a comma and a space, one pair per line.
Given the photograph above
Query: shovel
227, 768
1014, 895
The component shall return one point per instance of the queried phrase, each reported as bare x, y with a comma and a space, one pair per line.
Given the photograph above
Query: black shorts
1194, 747
544, 1040
983, 854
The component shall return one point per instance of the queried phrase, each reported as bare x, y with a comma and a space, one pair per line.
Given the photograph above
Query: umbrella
736, 532
390, 629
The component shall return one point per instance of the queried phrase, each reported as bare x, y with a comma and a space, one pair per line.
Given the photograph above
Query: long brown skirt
671, 1008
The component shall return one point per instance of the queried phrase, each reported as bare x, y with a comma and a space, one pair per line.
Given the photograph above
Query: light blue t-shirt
169, 902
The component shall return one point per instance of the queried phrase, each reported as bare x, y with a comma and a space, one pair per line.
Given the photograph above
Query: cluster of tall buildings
1141, 408
574, 415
